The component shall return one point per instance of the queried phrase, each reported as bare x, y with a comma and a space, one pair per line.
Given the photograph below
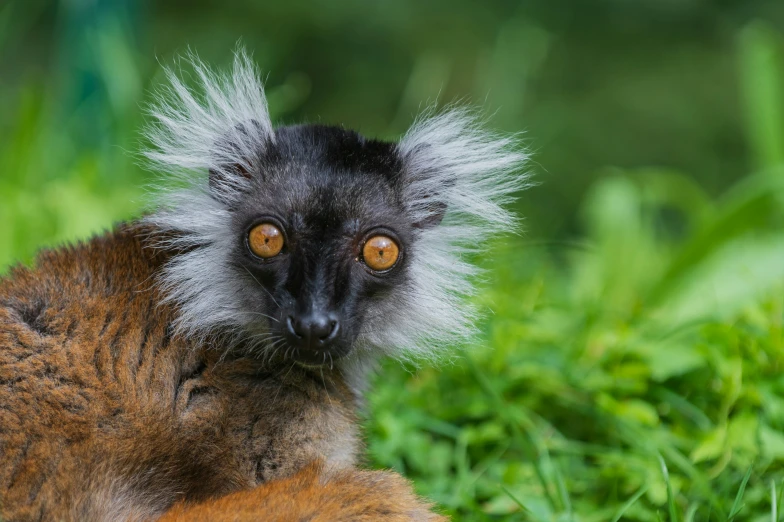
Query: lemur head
315, 244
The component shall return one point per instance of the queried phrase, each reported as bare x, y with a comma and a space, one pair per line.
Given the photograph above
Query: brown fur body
347, 496
105, 415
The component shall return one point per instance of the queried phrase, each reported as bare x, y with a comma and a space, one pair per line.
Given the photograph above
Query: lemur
207, 360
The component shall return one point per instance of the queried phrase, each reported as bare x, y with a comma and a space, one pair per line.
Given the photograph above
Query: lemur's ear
234, 163
426, 184
427, 197
451, 163
432, 216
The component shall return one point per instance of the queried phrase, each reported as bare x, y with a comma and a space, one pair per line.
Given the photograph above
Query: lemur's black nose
313, 331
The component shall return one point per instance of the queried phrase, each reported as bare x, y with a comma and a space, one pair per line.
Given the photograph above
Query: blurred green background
629, 366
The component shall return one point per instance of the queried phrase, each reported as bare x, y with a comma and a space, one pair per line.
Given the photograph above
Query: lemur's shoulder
109, 263
79, 331
68, 288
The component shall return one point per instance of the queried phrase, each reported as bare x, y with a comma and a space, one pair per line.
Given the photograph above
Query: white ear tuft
451, 166
224, 127
450, 157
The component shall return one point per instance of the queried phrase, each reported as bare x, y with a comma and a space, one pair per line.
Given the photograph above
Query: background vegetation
630, 365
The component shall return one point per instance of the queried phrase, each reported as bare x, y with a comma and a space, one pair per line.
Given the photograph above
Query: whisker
263, 315
261, 285
292, 367
276, 344
262, 336
324, 382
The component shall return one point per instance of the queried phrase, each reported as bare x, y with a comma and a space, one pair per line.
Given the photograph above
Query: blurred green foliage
630, 366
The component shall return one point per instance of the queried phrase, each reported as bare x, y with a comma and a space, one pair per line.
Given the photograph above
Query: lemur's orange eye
265, 240
380, 253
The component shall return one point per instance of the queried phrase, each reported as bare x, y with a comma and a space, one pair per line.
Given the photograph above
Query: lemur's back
104, 414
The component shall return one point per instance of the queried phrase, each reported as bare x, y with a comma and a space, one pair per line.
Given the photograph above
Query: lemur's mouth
316, 358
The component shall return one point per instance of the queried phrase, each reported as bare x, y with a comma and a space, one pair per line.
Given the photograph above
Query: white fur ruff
475, 173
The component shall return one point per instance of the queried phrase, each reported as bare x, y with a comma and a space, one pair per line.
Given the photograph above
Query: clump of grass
634, 377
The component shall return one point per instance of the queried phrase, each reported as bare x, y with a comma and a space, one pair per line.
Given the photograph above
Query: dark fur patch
32, 314
198, 393
336, 148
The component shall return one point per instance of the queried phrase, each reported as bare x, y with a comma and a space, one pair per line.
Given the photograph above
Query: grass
632, 373
601, 389
587, 392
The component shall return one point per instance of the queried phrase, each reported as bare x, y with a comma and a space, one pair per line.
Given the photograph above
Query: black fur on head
437, 193
328, 190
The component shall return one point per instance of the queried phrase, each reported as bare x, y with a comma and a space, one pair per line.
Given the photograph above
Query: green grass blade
736, 505
629, 503
670, 496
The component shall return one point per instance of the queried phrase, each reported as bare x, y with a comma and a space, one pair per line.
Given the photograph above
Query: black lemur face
325, 192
